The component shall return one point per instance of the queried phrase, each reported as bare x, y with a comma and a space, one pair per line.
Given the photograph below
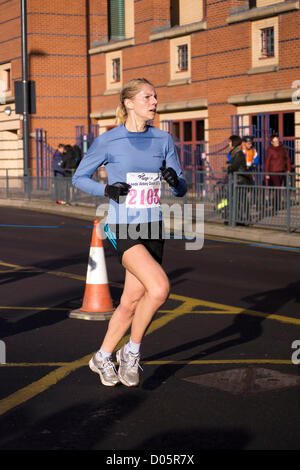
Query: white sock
102, 354
133, 348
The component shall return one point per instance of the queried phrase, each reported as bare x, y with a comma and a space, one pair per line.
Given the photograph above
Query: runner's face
144, 103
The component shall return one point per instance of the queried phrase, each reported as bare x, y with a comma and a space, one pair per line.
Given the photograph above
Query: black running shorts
124, 236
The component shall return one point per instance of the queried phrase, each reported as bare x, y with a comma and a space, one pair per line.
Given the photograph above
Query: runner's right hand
114, 191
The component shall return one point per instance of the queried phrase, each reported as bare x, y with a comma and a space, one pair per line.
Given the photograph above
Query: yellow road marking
34, 364
8, 307
39, 386
221, 361
186, 307
167, 362
218, 308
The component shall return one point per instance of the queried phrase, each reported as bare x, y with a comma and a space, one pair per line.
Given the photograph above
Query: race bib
145, 190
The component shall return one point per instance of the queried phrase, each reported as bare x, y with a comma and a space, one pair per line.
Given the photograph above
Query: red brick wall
59, 37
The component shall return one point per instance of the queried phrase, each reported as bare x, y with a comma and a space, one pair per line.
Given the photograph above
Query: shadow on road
38, 268
197, 439
88, 426
245, 328
82, 426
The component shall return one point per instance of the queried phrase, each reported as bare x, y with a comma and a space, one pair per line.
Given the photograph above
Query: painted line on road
167, 362
220, 309
8, 307
183, 237
242, 311
30, 391
237, 241
187, 306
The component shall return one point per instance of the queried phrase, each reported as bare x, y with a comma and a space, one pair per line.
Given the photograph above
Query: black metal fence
223, 198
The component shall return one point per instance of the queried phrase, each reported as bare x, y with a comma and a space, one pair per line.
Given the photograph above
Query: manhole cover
246, 380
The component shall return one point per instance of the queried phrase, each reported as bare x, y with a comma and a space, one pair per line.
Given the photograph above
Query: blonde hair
128, 92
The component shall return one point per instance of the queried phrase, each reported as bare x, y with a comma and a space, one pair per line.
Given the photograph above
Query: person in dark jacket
71, 159
237, 163
277, 160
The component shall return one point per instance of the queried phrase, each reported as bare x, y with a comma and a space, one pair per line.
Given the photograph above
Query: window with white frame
180, 58
184, 12
5, 81
120, 17
113, 71
116, 69
267, 42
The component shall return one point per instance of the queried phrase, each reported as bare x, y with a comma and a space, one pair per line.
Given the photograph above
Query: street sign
19, 97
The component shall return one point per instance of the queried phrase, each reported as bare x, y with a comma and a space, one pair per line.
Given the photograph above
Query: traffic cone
97, 302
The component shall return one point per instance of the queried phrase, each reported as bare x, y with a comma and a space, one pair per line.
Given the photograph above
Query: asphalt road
217, 369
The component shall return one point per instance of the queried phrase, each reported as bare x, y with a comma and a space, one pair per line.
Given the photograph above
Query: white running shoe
106, 369
128, 372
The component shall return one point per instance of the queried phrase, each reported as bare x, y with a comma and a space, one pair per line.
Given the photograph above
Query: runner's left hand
170, 176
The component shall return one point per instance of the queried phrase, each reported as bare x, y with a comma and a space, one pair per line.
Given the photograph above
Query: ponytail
121, 114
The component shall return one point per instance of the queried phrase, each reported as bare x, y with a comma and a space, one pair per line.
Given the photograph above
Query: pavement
267, 236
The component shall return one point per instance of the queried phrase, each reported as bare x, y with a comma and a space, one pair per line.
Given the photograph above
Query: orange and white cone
97, 302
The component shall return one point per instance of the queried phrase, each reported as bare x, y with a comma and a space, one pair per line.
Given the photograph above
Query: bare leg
123, 315
138, 261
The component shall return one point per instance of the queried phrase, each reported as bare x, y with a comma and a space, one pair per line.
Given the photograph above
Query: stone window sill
182, 106
179, 81
275, 96
178, 31
263, 69
112, 91
262, 12
112, 46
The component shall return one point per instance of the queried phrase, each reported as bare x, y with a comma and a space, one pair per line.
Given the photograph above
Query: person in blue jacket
57, 161
137, 157
58, 174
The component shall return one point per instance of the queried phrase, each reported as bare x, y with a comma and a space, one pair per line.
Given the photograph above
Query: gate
43, 155
261, 129
85, 140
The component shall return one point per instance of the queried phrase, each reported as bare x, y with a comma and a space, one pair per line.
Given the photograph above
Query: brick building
219, 66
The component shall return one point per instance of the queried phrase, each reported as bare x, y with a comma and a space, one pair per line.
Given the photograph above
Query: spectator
277, 161
250, 152
71, 159
57, 161
237, 160
236, 164
59, 174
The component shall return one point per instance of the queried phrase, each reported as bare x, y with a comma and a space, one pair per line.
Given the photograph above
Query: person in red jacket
277, 161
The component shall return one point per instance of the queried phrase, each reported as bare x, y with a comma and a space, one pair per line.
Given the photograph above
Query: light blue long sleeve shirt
125, 153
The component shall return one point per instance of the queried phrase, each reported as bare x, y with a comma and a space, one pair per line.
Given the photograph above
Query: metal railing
224, 199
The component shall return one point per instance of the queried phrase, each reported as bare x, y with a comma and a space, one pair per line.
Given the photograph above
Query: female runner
136, 156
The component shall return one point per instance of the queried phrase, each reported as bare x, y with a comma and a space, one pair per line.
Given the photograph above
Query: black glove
169, 175
114, 191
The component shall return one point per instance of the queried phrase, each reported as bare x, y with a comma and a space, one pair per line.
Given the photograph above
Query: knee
160, 292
